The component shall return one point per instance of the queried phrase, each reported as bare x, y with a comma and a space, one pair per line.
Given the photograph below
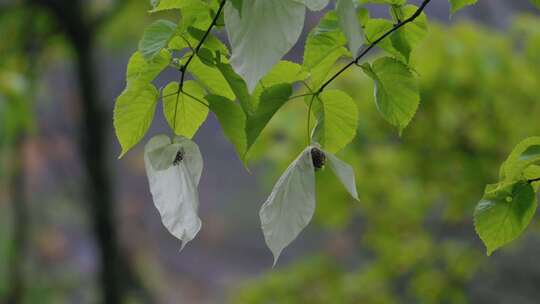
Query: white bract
348, 21
263, 33
291, 205
174, 171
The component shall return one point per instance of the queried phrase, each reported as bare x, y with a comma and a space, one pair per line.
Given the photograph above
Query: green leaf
232, 120
396, 90
283, 72
324, 39
410, 35
211, 42
140, 70
190, 112
321, 71
195, 13
363, 16
211, 78
337, 120
206, 56
456, 5
503, 213
526, 153
375, 28
531, 154
156, 36
324, 46
350, 25
133, 113
401, 43
264, 33
272, 99
533, 172
536, 3
238, 85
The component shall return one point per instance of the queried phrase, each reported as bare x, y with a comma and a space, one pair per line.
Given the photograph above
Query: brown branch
183, 69
356, 60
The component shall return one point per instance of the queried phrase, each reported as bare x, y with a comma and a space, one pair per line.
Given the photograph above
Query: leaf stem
300, 96
195, 98
309, 119
184, 68
366, 50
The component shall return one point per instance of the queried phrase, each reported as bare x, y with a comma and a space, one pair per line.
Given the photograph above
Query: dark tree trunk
73, 21
116, 275
93, 148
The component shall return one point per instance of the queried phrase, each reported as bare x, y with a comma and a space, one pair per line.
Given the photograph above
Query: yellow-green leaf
133, 114
184, 113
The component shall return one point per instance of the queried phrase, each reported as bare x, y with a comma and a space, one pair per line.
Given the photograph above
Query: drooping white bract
291, 205
350, 25
174, 171
263, 33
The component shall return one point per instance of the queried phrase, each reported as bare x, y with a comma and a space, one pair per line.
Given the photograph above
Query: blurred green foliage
413, 231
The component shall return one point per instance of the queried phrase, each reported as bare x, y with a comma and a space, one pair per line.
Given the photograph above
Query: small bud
178, 158
318, 157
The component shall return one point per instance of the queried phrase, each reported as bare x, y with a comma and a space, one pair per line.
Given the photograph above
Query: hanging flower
291, 205
174, 171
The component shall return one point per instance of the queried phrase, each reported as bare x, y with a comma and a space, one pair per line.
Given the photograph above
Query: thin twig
184, 68
300, 96
374, 43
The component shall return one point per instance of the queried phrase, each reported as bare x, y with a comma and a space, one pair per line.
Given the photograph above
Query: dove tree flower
291, 205
174, 170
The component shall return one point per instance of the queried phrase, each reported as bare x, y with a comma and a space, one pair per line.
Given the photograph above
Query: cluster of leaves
508, 206
245, 87
248, 84
411, 238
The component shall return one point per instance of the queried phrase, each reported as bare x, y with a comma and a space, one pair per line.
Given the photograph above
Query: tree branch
374, 43
184, 68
